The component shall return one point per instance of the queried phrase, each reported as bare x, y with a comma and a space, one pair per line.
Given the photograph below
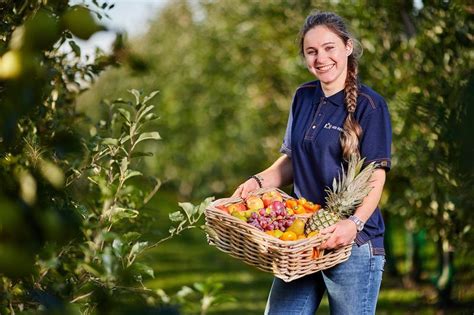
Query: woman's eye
329, 48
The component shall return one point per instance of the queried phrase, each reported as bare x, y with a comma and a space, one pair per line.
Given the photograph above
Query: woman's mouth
325, 67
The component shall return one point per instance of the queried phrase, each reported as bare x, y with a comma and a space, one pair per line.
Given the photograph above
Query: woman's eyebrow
323, 44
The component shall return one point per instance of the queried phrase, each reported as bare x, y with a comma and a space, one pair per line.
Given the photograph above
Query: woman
331, 119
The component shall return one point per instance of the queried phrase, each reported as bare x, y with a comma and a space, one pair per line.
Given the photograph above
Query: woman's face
326, 57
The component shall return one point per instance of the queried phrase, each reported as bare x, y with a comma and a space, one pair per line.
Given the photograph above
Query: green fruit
239, 216
80, 22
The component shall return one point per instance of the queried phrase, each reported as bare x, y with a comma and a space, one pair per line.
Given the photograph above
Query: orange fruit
270, 233
288, 236
299, 209
301, 237
301, 201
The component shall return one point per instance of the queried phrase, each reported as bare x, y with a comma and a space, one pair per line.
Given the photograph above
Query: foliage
72, 191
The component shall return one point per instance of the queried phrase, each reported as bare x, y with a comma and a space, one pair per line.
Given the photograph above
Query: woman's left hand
343, 233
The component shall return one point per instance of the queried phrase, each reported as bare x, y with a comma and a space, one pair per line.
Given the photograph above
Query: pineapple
346, 195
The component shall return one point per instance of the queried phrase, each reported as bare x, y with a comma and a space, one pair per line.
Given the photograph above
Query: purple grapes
271, 219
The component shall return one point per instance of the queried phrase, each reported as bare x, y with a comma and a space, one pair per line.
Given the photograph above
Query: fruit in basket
269, 219
346, 195
311, 207
297, 226
277, 206
313, 233
254, 202
271, 196
236, 207
239, 216
289, 236
291, 203
223, 208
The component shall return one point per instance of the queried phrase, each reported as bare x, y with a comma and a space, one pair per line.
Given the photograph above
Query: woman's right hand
245, 188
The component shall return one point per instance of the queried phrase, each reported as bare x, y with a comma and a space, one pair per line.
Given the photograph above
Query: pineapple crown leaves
350, 188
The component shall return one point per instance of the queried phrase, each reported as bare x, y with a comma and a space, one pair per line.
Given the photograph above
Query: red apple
223, 208
239, 206
271, 196
254, 203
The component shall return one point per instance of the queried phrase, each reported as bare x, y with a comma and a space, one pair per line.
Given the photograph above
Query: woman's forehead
320, 36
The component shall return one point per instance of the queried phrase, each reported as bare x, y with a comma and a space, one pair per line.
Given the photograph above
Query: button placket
316, 121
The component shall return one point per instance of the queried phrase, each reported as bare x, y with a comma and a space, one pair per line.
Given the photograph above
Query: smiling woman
332, 120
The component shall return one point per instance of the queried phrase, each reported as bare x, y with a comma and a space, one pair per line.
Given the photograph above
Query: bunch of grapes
269, 219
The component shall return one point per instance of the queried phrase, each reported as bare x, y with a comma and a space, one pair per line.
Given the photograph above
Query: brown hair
352, 130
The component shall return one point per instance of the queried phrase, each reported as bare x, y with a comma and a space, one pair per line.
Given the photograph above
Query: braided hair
352, 130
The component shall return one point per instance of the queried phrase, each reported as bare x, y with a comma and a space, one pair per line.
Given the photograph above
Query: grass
188, 258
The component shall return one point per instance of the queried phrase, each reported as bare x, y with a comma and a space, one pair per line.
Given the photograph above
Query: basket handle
260, 191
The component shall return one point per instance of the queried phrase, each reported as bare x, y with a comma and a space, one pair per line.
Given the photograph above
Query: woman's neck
330, 90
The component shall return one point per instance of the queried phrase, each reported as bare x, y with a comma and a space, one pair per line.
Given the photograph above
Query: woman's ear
349, 47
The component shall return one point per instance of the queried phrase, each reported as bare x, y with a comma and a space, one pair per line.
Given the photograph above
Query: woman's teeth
325, 68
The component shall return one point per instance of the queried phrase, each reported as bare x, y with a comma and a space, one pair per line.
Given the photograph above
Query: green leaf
110, 141
138, 247
141, 154
150, 96
144, 111
154, 135
124, 165
199, 286
124, 139
188, 208
204, 205
75, 48
135, 93
144, 269
124, 113
131, 173
117, 245
91, 269
119, 213
176, 216
131, 236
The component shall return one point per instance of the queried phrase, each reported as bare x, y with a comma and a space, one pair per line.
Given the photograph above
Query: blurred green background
225, 72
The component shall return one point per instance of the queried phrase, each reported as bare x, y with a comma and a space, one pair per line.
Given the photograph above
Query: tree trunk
444, 282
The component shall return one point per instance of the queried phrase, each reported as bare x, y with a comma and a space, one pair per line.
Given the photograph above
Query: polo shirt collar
336, 99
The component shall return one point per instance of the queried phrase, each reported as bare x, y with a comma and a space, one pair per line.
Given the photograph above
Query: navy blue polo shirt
312, 141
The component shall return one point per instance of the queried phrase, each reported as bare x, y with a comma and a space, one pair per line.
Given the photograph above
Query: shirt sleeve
376, 139
286, 145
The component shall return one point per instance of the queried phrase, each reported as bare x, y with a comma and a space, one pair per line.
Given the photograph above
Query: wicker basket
287, 260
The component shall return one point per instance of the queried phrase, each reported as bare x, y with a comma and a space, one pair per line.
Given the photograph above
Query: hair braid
352, 130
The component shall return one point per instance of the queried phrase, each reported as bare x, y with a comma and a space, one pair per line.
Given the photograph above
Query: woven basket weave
287, 260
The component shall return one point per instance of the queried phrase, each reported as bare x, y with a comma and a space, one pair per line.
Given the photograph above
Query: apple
239, 207
223, 208
271, 196
277, 206
254, 202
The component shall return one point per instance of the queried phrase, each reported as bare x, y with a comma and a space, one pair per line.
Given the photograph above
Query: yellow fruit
277, 233
314, 233
297, 227
270, 233
288, 236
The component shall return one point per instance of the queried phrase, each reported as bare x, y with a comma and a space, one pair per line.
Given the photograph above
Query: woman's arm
279, 174
344, 232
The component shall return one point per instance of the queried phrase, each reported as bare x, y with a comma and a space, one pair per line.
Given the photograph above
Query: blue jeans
353, 287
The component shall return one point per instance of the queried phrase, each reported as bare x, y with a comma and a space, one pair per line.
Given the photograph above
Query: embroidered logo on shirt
330, 126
